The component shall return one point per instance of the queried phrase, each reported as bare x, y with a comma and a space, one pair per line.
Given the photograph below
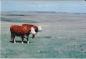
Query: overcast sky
58, 6
43, 0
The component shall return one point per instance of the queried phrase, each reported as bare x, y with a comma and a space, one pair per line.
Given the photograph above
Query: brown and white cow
21, 31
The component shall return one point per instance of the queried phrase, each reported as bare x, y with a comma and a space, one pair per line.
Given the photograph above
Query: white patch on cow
33, 30
39, 28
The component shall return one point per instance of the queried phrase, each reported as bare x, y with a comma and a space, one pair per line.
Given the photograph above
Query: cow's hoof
22, 42
28, 42
14, 42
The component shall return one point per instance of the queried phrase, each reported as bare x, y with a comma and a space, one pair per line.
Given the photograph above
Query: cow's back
30, 25
19, 30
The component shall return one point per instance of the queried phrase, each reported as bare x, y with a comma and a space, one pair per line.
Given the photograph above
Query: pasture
63, 36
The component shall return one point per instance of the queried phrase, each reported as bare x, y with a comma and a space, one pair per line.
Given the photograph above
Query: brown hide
20, 30
30, 25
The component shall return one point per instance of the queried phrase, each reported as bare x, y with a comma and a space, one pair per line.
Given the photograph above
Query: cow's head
32, 30
35, 30
39, 28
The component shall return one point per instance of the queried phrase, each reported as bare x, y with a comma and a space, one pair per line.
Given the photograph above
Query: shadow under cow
18, 41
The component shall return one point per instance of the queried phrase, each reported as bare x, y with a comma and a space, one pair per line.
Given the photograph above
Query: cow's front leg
27, 39
33, 36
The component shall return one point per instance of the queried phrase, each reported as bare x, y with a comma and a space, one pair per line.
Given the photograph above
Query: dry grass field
63, 36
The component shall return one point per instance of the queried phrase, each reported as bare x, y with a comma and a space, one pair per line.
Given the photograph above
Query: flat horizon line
42, 12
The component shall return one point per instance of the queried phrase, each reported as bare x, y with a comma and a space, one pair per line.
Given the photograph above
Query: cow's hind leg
22, 39
13, 38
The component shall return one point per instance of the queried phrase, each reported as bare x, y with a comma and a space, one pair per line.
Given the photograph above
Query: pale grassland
63, 35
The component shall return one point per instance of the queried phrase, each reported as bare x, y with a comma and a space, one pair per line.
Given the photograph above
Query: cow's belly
19, 34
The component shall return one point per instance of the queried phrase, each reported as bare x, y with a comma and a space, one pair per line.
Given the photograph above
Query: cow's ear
32, 30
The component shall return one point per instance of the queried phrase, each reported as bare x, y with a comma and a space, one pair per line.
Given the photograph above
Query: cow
37, 28
21, 31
